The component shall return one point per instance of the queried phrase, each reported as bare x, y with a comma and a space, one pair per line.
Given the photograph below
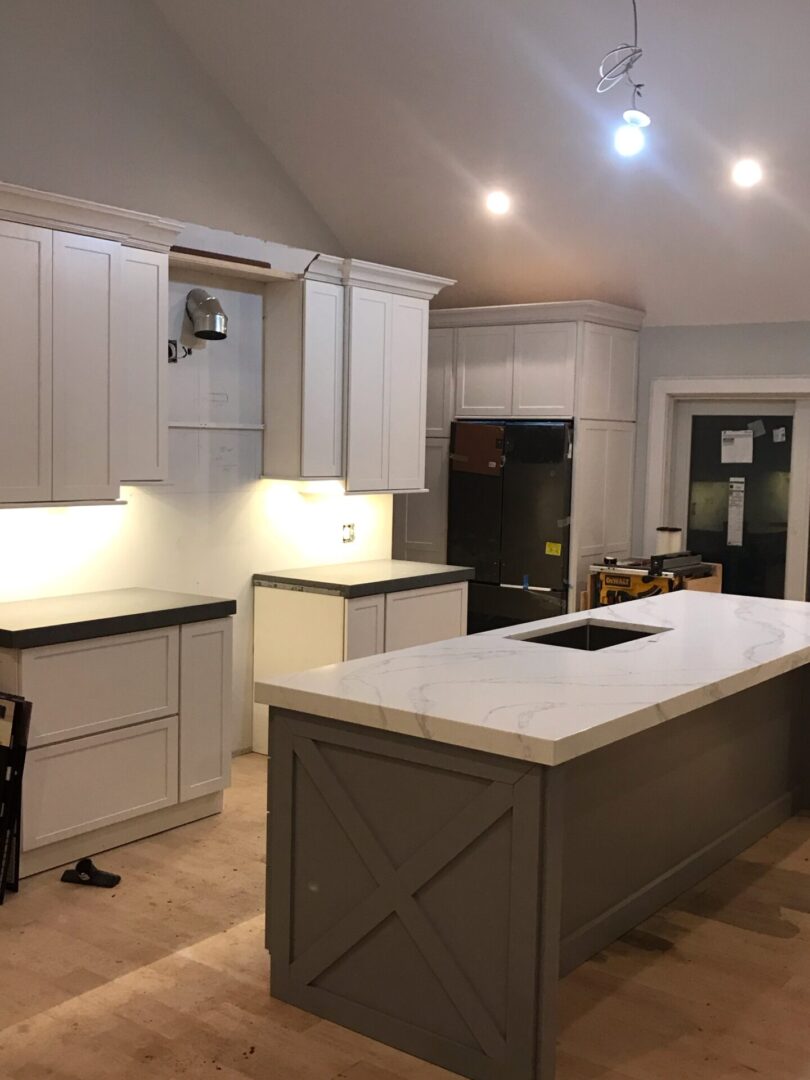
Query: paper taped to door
737, 447
736, 511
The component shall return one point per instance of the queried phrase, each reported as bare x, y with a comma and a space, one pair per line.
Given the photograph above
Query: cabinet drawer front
420, 616
90, 686
86, 784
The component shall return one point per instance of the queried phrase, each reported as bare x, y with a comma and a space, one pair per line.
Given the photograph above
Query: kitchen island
454, 826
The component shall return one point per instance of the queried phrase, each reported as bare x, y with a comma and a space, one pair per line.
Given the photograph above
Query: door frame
665, 393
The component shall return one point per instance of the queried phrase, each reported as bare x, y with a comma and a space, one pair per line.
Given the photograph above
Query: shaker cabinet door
25, 363
86, 351
370, 314
484, 371
322, 390
441, 345
408, 394
545, 359
206, 662
143, 417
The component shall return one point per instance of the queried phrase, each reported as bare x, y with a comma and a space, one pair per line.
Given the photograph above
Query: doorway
730, 489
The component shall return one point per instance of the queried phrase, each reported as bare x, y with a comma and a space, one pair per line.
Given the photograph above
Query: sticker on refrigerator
757, 427
552, 548
737, 447
736, 511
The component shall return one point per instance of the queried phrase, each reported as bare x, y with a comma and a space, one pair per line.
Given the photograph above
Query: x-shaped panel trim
396, 887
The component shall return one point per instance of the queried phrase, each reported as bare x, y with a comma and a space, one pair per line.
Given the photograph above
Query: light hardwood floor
166, 976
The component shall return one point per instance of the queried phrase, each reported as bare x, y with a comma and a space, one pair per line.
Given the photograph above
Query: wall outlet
348, 533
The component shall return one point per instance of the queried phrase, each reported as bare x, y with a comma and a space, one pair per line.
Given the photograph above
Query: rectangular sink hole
588, 636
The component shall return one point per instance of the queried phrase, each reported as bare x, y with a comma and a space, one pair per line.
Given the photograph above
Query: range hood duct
208, 320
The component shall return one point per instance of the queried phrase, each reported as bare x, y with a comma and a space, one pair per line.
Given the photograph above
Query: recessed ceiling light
498, 202
747, 173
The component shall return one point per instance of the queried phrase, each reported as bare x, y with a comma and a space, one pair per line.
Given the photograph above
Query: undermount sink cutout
589, 635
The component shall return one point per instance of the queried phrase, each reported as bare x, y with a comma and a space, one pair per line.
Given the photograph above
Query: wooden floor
166, 976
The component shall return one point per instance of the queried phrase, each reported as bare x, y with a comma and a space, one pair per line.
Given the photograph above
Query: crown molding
594, 311
392, 279
326, 268
50, 211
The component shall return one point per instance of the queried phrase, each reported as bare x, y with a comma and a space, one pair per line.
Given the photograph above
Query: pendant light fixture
616, 67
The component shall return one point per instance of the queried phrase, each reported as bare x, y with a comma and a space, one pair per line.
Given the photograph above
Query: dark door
475, 498
536, 505
738, 509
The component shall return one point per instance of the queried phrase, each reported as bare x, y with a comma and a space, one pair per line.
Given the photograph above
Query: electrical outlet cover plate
348, 533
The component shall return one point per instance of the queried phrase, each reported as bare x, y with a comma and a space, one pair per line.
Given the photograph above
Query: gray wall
742, 349
101, 100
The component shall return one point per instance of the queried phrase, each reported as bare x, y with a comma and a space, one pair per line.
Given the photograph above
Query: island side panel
409, 897
651, 816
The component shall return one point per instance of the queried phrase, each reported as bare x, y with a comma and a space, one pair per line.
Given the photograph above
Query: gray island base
431, 895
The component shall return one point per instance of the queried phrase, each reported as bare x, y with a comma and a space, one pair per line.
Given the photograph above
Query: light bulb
629, 140
498, 202
746, 173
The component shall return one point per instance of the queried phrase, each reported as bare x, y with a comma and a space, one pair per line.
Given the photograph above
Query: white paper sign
736, 511
779, 434
737, 447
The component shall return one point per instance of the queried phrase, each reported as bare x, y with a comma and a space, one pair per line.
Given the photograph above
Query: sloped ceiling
394, 116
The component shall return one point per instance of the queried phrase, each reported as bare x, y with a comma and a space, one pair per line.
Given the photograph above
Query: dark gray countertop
365, 578
53, 620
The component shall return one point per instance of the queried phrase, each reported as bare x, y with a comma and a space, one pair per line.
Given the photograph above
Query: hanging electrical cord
619, 63
616, 67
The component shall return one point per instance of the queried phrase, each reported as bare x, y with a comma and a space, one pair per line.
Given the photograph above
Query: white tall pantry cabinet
573, 360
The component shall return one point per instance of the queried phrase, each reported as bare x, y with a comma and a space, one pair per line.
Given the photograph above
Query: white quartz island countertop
548, 704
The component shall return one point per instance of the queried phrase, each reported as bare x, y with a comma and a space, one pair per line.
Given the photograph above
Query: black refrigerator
509, 517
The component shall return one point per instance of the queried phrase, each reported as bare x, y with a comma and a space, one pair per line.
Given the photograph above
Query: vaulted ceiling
394, 116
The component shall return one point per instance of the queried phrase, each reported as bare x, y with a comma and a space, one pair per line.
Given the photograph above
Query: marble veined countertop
548, 704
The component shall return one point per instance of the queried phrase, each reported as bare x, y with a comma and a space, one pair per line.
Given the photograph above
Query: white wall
101, 100
215, 523
741, 349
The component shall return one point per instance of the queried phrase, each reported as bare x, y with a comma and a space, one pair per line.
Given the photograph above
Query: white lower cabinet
420, 616
294, 630
420, 519
85, 784
84, 687
206, 651
364, 627
122, 727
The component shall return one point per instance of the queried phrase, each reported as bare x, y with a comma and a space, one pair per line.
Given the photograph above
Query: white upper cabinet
370, 344
607, 383
521, 371
441, 346
545, 363
86, 358
25, 363
484, 370
304, 380
143, 414
408, 394
388, 341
